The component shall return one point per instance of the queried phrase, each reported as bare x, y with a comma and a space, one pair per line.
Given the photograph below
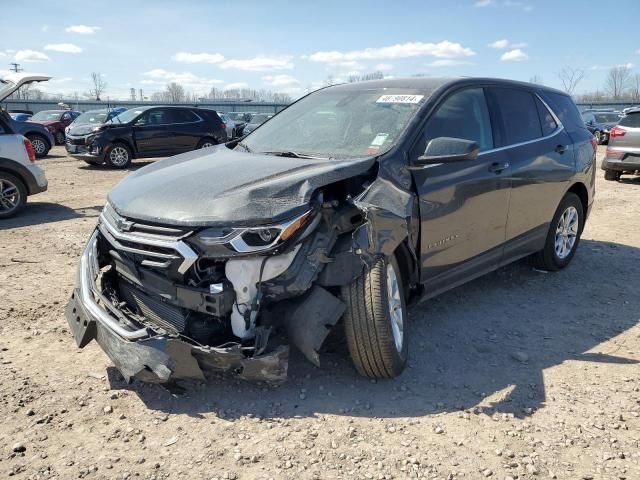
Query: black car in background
600, 123
213, 258
157, 131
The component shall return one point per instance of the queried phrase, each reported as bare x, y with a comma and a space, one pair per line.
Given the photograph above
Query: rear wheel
598, 136
13, 195
206, 143
563, 236
40, 145
612, 175
60, 137
376, 321
118, 156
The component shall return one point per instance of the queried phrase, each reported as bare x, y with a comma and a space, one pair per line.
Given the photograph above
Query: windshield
236, 115
339, 123
126, 117
97, 116
607, 117
260, 118
47, 116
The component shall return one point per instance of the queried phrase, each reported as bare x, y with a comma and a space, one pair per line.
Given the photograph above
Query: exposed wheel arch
581, 191
128, 144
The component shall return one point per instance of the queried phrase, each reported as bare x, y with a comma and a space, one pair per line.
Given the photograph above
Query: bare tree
634, 89
99, 86
537, 79
570, 78
617, 81
175, 92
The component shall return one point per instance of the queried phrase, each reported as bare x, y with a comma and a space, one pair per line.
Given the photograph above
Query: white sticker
400, 99
379, 140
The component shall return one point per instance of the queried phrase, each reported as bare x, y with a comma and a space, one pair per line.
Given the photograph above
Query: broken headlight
253, 239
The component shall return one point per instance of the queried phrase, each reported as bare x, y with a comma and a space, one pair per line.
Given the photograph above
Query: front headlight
95, 129
253, 239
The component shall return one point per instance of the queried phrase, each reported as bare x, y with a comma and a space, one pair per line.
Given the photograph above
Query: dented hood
219, 186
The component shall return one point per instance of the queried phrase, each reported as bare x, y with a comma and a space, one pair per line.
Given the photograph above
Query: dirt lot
521, 374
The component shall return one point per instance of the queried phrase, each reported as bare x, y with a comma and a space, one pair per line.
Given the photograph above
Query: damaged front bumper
152, 357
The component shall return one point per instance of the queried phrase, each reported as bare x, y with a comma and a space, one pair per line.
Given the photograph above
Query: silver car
623, 151
230, 125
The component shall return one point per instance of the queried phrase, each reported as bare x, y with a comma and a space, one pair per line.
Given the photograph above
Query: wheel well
208, 138
17, 176
125, 142
39, 134
583, 194
407, 265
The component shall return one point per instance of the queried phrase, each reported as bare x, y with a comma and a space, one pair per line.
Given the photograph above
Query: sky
293, 47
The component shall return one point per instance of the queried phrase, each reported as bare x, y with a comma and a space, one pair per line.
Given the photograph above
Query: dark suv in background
334, 210
600, 123
148, 132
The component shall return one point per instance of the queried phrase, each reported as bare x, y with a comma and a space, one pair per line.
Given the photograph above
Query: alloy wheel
396, 313
118, 156
566, 232
207, 145
38, 146
60, 138
598, 136
9, 196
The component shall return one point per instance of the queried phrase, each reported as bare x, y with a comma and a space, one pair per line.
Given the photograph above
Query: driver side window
462, 115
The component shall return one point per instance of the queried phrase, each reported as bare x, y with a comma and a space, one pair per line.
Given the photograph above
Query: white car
230, 126
19, 175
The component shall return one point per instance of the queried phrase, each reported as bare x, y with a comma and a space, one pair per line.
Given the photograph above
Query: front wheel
118, 156
13, 195
375, 321
40, 145
612, 175
206, 143
563, 236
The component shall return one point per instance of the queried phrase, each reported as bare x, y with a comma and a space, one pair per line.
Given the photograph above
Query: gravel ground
520, 374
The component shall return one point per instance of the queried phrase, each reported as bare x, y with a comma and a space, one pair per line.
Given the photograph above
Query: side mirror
447, 149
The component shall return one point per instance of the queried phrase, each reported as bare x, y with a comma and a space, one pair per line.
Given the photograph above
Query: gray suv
623, 151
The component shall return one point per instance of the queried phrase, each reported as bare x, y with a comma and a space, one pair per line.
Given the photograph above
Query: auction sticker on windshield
400, 99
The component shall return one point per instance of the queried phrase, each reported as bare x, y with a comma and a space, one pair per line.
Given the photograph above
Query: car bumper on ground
144, 354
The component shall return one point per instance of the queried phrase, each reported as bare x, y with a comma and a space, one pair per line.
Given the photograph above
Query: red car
56, 121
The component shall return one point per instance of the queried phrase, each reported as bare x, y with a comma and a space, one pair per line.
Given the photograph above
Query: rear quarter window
565, 109
632, 120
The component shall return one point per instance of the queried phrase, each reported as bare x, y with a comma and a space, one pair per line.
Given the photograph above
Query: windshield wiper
290, 154
247, 149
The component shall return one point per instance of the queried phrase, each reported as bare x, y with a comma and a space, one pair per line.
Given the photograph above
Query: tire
559, 248
598, 136
118, 155
612, 175
40, 144
13, 195
60, 138
375, 350
206, 143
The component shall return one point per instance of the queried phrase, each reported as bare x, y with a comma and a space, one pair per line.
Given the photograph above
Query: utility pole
15, 67
133, 94
141, 97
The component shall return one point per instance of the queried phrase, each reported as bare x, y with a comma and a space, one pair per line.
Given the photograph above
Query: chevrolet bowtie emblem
124, 225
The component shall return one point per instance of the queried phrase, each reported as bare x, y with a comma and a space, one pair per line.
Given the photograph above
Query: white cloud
235, 86
259, 64
444, 49
159, 76
609, 67
525, 7
383, 67
44, 28
186, 57
447, 62
30, 56
82, 29
61, 80
515, 55
280, 80
484, 3
2, 54
504, 43
63, 47
638, 51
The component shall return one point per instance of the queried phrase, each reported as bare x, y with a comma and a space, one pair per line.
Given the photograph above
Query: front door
151, 133
463, 205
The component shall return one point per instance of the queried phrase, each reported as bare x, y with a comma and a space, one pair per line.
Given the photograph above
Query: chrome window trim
200, 119
559, 128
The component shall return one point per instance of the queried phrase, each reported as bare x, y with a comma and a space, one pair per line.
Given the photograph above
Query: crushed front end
167, 302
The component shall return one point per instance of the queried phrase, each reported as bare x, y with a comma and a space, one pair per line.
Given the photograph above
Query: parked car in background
39, 136
157, 131
230, 126
240, 119
88, 123
256, 120
20, 117
212, 259
623, 151
56, 121
19, 175
600, 122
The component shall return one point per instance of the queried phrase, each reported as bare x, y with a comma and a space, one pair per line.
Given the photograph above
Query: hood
11, 82
83, 128
46, 123
219, 186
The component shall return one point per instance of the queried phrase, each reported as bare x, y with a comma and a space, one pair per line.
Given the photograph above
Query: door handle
498, 167
561, 149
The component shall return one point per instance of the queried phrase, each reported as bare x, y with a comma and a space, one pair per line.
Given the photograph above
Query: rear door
542, 163
463, 205
151, 132
185, 130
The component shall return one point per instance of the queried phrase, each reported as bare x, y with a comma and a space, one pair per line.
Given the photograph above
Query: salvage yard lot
520, 374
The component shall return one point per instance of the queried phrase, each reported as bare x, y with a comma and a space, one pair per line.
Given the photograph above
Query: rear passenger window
183, 116
631, 120
463, 115
565, 109
549, 125
519, 115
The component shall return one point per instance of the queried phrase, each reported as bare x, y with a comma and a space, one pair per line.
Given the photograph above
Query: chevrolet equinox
333, 214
